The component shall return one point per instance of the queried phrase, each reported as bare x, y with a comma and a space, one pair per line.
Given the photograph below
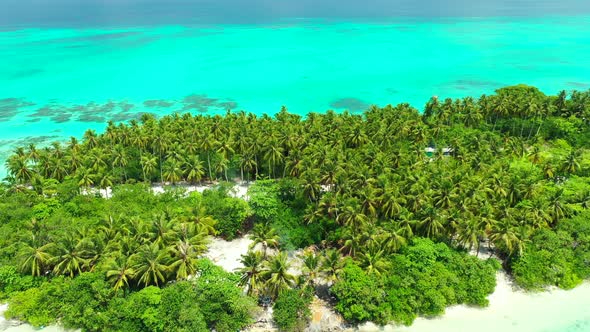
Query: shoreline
512, 309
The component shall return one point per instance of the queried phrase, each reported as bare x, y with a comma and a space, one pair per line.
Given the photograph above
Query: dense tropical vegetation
387, 203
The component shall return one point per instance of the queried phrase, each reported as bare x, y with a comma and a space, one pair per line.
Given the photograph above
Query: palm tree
248, 164
161, 230
571, 164
373, 260
311, 267
584, 199
97, 158
395, 238
35, 259
222, 166
172, 171
151, 265
194, 169
120, 158
204, 222
273, 155
161, 142
276, 275
432, 223
119, 273
184, 259
208, 144
90, 138
19, 167
265, 235
250, 273
311, 185
148, 165
469, 234
351, 216
332, 265
71, 256
392, 202
105, 182
503, 234
556, 206
85, 177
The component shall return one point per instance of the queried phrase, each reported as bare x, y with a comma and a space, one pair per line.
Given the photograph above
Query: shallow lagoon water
57, 80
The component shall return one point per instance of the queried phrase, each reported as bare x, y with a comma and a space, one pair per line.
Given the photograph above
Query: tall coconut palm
503, 234
120, 159
35, 258
351, 216
557, 206
184, 259
571, 163
71, 256
203, 221
392, 202
151, 265
250, 273
432, 223
311, 267
273, 156
148, 164
161, 230
373, 260
332, 265
85, 177
19, 167
194, 169
469, 234
172, 171
105, 181
264, 235
119, 273
208, 144
276, 275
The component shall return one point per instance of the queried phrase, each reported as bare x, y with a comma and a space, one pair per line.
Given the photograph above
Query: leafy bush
222, 302
272, 203
360, 296
230, 212
11, 281
291, 310
558, 257
424, 279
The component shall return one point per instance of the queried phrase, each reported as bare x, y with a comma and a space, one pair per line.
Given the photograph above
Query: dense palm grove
385, 202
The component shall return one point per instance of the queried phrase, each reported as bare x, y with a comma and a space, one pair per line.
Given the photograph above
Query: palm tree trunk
209, 165
256, 165
269, 169
160, 160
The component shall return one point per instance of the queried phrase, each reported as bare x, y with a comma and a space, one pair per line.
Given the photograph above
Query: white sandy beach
227, 254
240, 189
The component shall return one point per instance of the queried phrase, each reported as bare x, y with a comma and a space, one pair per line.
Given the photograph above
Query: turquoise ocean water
66, 66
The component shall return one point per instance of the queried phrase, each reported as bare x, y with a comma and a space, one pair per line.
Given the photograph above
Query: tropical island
382, 215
